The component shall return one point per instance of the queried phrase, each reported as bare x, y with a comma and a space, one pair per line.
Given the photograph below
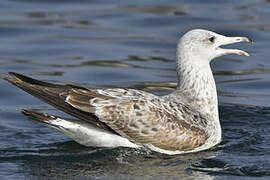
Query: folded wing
143, 118
54, 95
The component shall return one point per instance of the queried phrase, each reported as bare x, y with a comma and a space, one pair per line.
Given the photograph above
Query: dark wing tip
26, 79
14, 80
17, 75
22, 78
8, 78
40, 116
13, 73
27, 112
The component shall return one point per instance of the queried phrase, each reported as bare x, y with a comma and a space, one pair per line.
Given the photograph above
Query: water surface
131, 44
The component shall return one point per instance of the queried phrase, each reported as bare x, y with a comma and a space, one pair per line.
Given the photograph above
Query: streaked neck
197, 82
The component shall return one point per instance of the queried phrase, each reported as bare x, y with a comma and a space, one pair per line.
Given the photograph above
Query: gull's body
184, 121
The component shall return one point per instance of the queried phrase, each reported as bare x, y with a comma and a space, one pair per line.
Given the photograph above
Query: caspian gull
181, 122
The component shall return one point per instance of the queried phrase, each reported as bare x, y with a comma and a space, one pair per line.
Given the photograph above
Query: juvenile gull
181, 122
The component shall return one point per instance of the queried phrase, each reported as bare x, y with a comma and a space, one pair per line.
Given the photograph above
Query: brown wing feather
139, 116
142, 119
55, 95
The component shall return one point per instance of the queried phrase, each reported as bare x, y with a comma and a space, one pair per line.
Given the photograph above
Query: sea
131, 44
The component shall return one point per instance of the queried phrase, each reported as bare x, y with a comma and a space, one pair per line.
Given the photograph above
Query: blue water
98, 43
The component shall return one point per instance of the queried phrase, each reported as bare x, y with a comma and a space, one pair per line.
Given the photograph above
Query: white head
203, 45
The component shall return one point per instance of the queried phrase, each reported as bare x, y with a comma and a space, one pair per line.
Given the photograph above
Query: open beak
223, 40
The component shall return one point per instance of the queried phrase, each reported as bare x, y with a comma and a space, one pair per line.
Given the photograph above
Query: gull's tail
80, 131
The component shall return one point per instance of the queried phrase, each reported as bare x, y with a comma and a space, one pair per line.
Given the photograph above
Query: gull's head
206, 45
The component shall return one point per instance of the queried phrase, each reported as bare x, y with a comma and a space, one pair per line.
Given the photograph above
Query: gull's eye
212, 39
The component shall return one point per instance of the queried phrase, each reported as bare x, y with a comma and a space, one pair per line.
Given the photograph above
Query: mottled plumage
184, 121
144, 118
